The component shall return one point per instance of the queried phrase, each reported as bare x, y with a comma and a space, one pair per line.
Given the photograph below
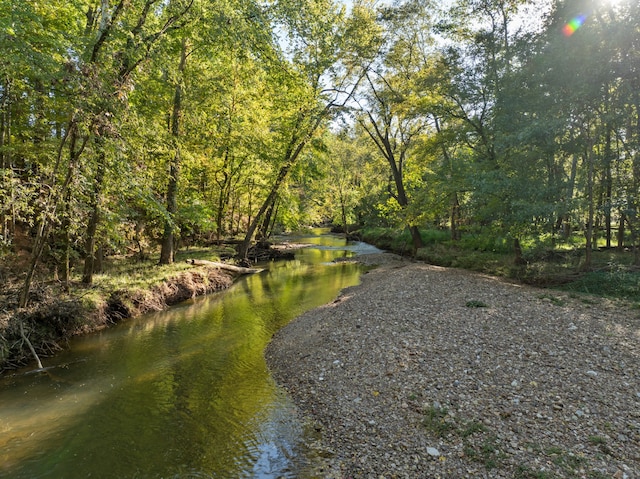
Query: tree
167, 252
393, 111
320, 79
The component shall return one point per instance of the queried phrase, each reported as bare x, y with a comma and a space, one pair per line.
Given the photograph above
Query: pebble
433, 452
514, 380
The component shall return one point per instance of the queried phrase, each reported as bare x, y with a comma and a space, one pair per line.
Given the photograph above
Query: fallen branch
224, 266
31, 348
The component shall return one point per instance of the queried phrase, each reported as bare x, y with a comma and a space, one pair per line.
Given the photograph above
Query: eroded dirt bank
427, 372
52, 321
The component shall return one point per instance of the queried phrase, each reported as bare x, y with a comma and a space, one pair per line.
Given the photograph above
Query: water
181, 393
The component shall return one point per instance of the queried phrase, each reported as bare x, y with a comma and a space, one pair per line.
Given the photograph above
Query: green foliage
437, 422
498, 133
395, 240
474, 303
553, 299
485, 242
621, 283
550, 267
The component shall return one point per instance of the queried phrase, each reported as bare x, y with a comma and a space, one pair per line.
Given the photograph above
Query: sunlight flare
572, 25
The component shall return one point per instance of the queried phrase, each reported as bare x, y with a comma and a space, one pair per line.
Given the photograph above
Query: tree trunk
455, 217
403, 201
223, 201
621, 232
50, 206
25, 338
243, 248
343, 213
588, 231
66, 227
263, 231
296, 145
566, 225
94, 220
224, 266
608, 188
416, 239
517, 248
7, 216
380, 136
167, 252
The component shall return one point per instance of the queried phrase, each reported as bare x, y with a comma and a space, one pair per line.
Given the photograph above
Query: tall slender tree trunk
379, 133
343, 206
66, 227
588, 231
455, 217
243, 248
403, 201
566, 225
223, 201
51, 204
621, 232
633, 219
94, 203
167, 252
517, 249
263, 231
608, 188
5, 163
295, 147
455, 202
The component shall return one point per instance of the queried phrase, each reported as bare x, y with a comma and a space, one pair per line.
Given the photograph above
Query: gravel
429, 372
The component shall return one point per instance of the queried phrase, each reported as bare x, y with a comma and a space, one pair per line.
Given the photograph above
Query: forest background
469, 129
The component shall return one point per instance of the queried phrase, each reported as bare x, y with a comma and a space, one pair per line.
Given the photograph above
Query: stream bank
423, 372
183, 392
55, 317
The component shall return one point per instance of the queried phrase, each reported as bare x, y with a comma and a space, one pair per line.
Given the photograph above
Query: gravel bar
430, 372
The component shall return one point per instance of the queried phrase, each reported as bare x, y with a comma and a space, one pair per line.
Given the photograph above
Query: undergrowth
127, 287
547, 262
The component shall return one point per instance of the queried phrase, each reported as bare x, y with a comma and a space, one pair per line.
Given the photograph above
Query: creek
181, 393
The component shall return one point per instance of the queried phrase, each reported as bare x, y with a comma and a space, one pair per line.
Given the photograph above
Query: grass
476, 304
471, 428
126, 273
554, 299
548, 262
481, 445
127, 286
620, 283
435, 420
524, 472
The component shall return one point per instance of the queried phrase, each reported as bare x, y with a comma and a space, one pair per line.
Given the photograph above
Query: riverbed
180, 393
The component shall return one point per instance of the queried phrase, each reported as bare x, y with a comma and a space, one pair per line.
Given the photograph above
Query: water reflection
181, 393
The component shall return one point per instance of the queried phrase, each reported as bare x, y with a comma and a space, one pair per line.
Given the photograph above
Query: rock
433, 452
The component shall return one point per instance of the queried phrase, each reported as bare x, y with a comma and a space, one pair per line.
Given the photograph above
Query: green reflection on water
181, 393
